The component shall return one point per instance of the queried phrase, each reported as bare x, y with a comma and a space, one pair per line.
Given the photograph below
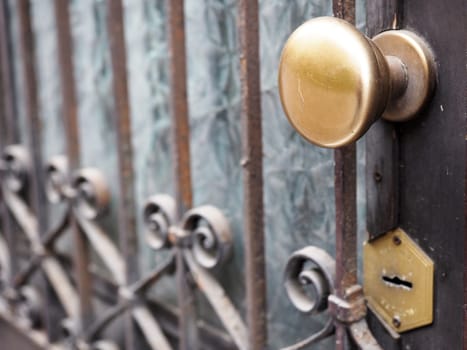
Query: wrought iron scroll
204, 238
16, 165
309, 281
89, 197
86, 196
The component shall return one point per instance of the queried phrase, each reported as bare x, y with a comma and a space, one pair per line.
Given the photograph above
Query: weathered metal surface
345, 183
346, 227
432, 173
34, 132
398, 281
10, 134
252, 162
312, 270
382, 151
219, 301
8, 123
382, 157
205, 240
70, 117
382, 179
53, 271
181, 163
122, 124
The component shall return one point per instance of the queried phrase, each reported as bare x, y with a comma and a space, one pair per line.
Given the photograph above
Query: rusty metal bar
36, 191
9, 125
122, 122
345, 197
346, 227
70, 116
32, 111
252, 162
181, 166
11, 132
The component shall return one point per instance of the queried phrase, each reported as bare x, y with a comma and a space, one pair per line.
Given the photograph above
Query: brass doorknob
334, 82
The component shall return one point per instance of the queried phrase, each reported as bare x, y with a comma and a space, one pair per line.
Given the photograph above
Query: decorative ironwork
309, 282
206, 243
203, 236
25, 301
87, 198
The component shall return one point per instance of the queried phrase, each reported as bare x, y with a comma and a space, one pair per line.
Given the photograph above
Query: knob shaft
334, 82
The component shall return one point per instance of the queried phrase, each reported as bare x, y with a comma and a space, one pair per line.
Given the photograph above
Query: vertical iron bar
37, 194
126, 204
181, 157
11, 132
32, 111
70, 117
345, 197
9, 123
252, 161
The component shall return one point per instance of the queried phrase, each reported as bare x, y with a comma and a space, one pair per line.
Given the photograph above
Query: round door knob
334, 82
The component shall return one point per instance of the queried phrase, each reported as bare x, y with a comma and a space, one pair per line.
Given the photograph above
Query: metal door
155, 196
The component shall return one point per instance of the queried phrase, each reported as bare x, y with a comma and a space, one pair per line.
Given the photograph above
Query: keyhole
395, 281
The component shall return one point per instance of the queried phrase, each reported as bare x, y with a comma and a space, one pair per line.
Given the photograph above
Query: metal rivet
396, 240
396, 322
378, 177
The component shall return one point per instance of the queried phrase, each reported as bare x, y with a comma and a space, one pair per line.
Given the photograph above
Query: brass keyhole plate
398, 281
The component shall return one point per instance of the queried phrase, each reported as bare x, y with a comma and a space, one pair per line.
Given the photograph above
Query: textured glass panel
49, 94
214, 96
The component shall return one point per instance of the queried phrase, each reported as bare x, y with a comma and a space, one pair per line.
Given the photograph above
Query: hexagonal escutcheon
398, 281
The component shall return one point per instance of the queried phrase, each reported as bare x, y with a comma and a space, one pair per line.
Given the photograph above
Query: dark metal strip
345, 197
11, 131
122, 123
9, 125
252, 162
53, 313
181, 166
70, 115
382, 158
346, 228
382, 144
32, 111
122, 120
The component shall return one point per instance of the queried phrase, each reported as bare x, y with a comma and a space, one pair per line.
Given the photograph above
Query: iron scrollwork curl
56, 179
310, 269
16, 166
309, 282
210, 235
309, 279
158, 214
92, 194
204, 237
23, 297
